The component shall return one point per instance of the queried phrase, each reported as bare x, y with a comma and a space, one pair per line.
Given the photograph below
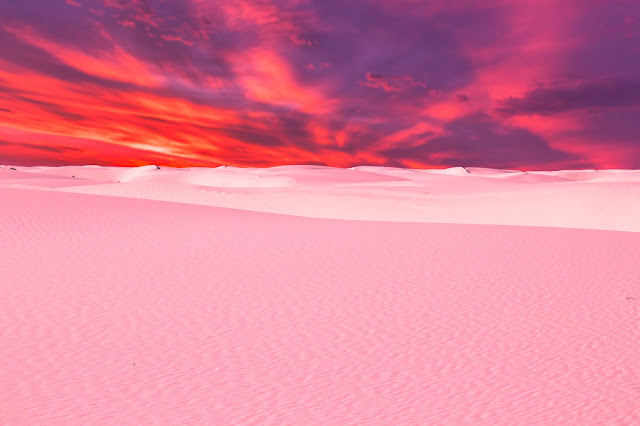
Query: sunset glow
499, 83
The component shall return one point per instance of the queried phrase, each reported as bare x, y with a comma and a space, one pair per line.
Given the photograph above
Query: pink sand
151, 301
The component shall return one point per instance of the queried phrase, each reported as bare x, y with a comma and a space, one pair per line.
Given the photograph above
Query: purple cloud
569, 96
480, 141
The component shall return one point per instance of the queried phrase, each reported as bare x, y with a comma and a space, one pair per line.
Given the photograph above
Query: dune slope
121, 310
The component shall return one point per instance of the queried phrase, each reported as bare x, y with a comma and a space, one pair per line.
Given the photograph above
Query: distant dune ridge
587, 199
241, 296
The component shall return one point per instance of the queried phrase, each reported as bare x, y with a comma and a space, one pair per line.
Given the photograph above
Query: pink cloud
390, 83
300, 41
175, 37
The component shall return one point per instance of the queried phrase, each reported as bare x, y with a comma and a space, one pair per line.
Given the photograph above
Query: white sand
128, 309
589, 199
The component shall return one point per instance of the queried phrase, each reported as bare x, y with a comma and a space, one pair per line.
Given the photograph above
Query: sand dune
129, 309
585, 199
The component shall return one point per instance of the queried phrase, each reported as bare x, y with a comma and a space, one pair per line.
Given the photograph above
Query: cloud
115, 64
132, 11
300, 41
48, 148
173, 37
269, 78
34, 148
36, 60
570, 96
390, 83
481, 141
118, 4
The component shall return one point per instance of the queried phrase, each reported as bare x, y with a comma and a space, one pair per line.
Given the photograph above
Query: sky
514, 84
